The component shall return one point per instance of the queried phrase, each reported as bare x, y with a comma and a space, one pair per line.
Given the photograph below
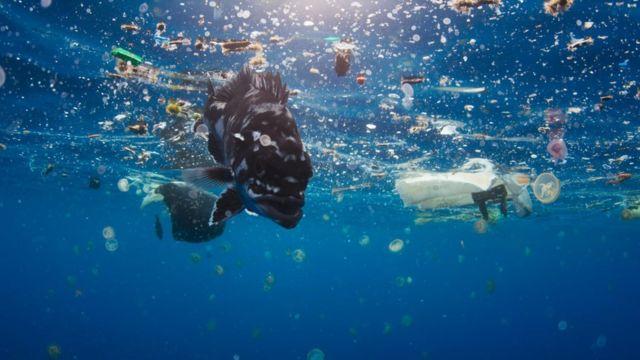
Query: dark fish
190, 209
48, 170
159, 232
94, 182
254, 139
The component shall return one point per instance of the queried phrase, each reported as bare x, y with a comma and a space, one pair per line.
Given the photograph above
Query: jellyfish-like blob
315, 354
557, 148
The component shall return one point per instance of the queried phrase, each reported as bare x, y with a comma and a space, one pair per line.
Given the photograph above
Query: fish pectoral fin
213, 145
228, 205
208, 177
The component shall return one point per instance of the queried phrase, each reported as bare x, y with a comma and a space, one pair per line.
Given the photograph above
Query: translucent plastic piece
546, 188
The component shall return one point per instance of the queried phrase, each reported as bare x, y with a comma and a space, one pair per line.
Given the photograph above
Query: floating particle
406, 321
202, 129
219, 270
364, 240
123, 185
211, 325
244, 14
3, 76
269, 281
111, 245
94, 182
195, 257
108, 233
465, 6
298, 255
601, 341
143, 8
490, 286
371, 126
314, 71
562, 325
415, 38
555, 7
546, 188
54, 350
308, 23
396, 245
315, 354
480, 226
45, 3
48, 169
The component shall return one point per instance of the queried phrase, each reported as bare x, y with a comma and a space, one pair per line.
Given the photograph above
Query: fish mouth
284, 210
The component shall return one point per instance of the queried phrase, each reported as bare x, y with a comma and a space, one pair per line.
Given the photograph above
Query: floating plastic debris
555, 7
630, 213
465, 6
126, 55
574, 44
546, 188
460, 90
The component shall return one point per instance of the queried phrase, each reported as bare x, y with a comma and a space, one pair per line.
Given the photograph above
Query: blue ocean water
560, 283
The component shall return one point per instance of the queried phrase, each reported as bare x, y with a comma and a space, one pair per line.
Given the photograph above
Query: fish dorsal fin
268, 84
271, 85
211, 90
238, 85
